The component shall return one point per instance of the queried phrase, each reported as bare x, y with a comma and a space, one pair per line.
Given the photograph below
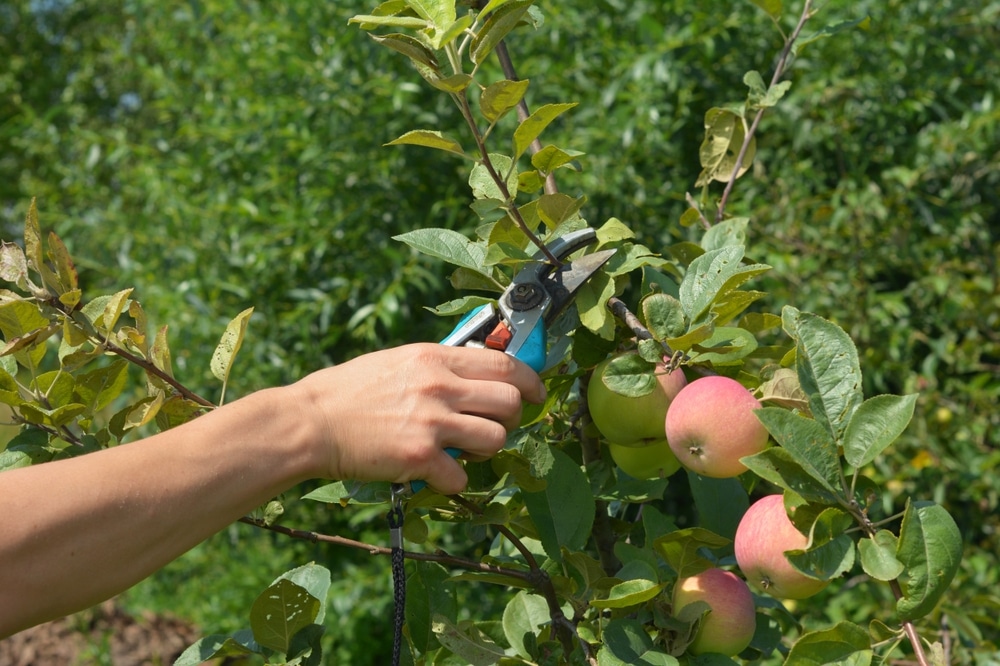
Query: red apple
764, 534
630, 421
711, 425
729, 627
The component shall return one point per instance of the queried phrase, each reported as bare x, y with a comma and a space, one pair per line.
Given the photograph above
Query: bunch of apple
706, 426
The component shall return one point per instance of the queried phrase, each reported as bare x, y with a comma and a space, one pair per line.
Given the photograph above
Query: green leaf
807, 443
429, 139
550, 158
930, 547
720, 503
535, 124
845, 644
629, 593
692, 337
65, 270
491, 6
229, 345
454, 84
20, 317
280, 612
371, 21
446, 34
13, 265
501, 97
728, 232
563, 513
218, 646
828, 368
829, 31
427, 595
315, 579
99, 388
523, 616
714, 274
412, 48
830, 552
777, 465
629, 375
460, 306
626, 643
448, 245
875, 425
755, 82
438, 12
729, 306
485, 186
592, 305
725, 133
14, 459
680, 549
727, 345
465, 640
878, 556
772, 7
554, 209
663, 316
500, 22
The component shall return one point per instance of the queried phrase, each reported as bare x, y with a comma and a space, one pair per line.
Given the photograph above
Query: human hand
389, 415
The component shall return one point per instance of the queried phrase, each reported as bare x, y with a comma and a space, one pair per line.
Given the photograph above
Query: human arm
78, 531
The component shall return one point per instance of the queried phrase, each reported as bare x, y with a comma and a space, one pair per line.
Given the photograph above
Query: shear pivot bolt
525, 297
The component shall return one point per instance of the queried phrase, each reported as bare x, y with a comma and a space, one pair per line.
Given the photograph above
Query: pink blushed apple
711, 425
729, 627
764, 534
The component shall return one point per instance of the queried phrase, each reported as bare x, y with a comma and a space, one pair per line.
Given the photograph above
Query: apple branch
439, 557
148, 366
779, 71
539, 578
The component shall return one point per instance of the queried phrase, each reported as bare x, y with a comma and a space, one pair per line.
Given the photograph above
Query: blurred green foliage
218, 154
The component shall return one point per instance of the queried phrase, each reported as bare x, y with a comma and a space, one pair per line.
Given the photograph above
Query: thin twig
604, 537
146, 365
779, 70
522, 110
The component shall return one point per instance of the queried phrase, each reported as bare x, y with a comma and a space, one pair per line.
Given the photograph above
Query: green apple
764, 534
729, 626
626, 420
711, 425
652, 461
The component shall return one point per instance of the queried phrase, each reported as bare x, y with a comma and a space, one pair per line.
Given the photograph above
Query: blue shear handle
532, 353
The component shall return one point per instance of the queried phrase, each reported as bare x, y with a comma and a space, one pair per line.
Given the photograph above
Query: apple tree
595, 566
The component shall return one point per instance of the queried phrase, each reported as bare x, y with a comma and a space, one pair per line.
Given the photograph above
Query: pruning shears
518, 323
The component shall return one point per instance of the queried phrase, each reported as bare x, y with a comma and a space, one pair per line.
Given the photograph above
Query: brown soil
92, 636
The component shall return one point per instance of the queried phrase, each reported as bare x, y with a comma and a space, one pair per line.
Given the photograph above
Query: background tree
218, 155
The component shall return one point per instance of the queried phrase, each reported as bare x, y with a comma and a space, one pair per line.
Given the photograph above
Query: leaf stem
463, 105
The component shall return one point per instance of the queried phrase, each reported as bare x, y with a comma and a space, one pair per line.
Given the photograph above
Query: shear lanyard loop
395, 519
